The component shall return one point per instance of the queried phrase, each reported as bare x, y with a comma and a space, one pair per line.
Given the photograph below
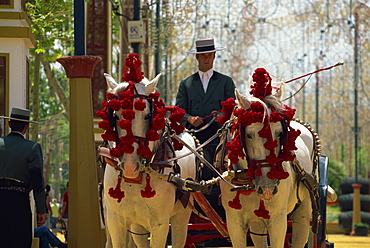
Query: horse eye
249, 136
148, 116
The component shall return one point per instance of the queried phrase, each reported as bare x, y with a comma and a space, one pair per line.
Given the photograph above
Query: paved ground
346, 241
339, 240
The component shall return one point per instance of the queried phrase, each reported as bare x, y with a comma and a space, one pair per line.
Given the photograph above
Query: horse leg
179, 227
258, 232
117, 230
301, 224
108, 244
139, 237
277, 227
158, 235
236, 228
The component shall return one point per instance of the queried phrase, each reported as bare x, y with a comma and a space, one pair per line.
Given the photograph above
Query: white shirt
205, 76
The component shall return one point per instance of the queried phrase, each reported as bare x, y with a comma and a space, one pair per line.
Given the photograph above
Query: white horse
272, 199
145, 202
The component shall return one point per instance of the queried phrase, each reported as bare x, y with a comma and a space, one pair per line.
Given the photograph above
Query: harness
241, 178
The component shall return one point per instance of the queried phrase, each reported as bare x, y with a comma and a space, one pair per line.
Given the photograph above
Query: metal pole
317, 102
79, 27
356, 128
157, 52
136, 46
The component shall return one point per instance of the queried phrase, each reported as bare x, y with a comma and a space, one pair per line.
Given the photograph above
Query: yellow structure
84, 229
356, 217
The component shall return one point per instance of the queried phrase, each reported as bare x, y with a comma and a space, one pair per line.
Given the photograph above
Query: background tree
51, 25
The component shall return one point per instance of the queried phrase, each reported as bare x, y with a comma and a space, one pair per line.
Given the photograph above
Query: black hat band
205, 48
22, 117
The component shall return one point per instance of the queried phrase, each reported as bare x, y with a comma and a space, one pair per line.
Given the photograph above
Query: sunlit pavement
339, 240
346, 241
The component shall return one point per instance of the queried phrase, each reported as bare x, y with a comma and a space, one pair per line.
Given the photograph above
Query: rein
209, 165
198, 148
205, 126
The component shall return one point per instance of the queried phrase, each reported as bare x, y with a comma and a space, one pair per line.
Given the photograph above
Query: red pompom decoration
128, 139
262, 211
115, 104
177, 114
109, 96
125, 124
109, 136
102, 114
104, 124
144, 151
235, 203
127, 148
139, 105
152, 135
116, 193
178, 128
126, 103
116, 152
148, 192
177, 145
154, 96
128, 114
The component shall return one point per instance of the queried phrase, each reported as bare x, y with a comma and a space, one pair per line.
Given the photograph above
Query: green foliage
52, 26
360, 224
332, 212
336, 171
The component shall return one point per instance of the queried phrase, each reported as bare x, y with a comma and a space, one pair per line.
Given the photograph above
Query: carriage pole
84, 229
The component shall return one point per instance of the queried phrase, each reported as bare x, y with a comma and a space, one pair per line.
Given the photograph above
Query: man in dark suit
201, 94
21, 170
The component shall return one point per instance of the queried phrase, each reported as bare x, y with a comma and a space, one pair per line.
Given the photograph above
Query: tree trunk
56, 86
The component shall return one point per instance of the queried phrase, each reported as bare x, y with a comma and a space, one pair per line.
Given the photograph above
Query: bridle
263, 162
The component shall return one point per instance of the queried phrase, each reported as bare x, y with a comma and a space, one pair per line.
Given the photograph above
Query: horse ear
243, 100
280, 92
110, 81
152, 84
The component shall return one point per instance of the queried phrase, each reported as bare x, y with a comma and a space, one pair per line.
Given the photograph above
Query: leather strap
312, 186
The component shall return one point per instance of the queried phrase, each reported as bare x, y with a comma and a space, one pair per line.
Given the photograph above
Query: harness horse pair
153, 167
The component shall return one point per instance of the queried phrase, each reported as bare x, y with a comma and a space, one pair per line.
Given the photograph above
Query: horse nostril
259, 190
275, 190
137, 166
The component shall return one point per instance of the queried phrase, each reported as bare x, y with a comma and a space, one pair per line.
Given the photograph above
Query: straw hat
205, 46
19, 114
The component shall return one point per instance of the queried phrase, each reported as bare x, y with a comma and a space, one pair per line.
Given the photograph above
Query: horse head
131, 107
261, 127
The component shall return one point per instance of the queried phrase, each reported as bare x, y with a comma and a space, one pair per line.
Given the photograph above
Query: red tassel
117, 193
235, 203
262, 211
148, 192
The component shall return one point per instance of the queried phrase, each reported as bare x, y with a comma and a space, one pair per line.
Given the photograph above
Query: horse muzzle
130, 170
266, 192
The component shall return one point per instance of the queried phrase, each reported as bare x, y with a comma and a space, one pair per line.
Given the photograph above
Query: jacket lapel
212, 86
197, 83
